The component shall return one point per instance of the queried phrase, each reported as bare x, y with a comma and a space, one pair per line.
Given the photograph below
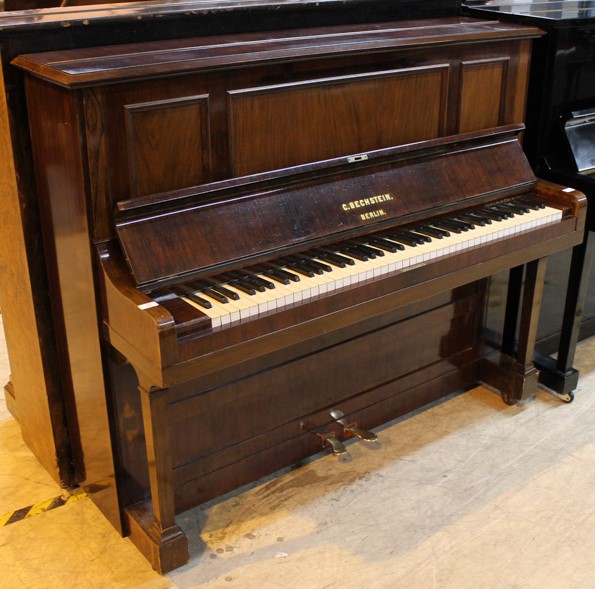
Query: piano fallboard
227, 224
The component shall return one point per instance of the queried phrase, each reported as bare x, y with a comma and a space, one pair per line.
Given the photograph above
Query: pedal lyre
352, 428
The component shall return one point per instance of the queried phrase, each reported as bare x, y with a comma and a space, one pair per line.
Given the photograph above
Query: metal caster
564, 397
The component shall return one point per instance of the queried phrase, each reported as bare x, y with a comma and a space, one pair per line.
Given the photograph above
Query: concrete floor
470, 493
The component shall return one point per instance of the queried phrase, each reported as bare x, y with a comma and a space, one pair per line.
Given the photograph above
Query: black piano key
422, 237
336, 258
409, 234
207, 292
298, 267
505, 214
237, 281
355, 253
312, 259
234, 296
475, 219
508, 209
514, 206
534, 206
461, 224
462, 218
493, 214
217, 287
277, 277
444, 224
272, 273
258, 281
403, 238
213, 294
281, 272
373, 252
205, 289
432, 231
385, 244
306, 262
354, 246
480, 215
189, 294
243, 286
333, 258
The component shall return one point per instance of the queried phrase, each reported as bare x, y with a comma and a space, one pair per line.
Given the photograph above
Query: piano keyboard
241, 295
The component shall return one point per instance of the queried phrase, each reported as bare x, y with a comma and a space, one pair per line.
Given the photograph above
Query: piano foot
165, 548
561, 383
9, 395
516, 382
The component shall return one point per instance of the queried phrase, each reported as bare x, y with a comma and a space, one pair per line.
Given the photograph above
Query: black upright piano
560, 144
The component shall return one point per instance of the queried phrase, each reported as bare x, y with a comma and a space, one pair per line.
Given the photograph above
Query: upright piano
561, 95
272, 242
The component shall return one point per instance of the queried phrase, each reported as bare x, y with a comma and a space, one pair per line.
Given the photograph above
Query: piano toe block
165, 548
516, 382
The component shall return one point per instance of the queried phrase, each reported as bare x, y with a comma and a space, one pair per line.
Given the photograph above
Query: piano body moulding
218, 109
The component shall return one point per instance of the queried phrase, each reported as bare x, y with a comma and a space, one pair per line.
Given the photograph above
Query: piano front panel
485, 79
149, 125
260, 405
148, 137
322, 118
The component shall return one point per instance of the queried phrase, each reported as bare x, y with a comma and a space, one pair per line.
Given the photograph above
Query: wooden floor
469, 493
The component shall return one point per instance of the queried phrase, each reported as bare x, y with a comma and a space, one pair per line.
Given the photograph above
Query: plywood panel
290, 124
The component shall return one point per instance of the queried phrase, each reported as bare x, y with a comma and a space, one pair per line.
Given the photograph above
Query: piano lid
184, 234
242, 13
556, 11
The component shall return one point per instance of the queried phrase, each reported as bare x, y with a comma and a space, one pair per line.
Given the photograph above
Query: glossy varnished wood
26, 320
107, 118
111, 64
68, 253
263, 102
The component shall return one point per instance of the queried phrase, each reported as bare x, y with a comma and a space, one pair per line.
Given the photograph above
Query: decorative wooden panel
290, 124
168, 144
483, 86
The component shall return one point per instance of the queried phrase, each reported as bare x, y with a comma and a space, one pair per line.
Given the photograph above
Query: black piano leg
513, 373
151, 523
511, 313
558, 375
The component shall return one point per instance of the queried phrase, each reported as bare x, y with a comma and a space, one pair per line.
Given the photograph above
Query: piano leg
152, 524
558, 375
513, 372
511, 313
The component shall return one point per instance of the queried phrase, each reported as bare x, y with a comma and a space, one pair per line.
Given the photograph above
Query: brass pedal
328, 439
351, 428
